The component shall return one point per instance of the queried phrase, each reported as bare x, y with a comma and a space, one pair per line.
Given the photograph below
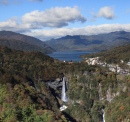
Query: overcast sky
46, 19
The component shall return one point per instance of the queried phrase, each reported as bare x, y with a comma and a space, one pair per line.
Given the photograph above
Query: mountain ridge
23, 42
94, 42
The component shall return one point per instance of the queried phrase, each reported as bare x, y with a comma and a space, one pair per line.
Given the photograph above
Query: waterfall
63, 95
103, 116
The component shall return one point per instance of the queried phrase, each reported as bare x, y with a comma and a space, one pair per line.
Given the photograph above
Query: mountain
22, 42
91, 43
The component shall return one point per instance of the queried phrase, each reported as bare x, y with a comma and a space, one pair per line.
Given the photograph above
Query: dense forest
92, 90
114, 55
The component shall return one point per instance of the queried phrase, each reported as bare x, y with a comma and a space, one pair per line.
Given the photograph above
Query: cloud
46, 34
88, 30
4, 2
46, 24
105, 12
13, 25
54, 17
8, 2
8, 24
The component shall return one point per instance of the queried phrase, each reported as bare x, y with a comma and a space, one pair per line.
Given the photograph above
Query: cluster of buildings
112, 67
94, 61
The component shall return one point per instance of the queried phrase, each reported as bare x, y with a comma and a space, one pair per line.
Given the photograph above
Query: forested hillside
22, 42
25, 95
114, 55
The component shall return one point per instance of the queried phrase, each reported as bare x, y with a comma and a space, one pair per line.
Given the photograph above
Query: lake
68, 55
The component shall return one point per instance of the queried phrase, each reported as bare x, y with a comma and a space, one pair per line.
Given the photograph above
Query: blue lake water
69, 55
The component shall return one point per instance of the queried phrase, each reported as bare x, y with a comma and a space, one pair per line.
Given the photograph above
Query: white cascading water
63, 95
103, 116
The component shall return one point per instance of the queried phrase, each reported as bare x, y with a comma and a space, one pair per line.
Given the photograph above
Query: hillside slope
114, 55
24, 96
91, 43
22, 42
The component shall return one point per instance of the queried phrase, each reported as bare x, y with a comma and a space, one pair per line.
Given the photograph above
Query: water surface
69, 55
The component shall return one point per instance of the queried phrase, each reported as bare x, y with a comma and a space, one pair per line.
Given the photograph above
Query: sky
47, 19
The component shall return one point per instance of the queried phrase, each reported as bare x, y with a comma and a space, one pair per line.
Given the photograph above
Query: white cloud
105, 12
45, 34
88, 30
35, 23
8, 24
54, 17
13, 25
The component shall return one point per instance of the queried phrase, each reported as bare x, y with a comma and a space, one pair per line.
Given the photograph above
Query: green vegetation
114, 55
26, 97
22, 42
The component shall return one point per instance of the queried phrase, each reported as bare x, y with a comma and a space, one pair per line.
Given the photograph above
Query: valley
31, 83
41, 88
64, 61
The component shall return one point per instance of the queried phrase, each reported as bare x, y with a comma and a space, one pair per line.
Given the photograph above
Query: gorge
34, 83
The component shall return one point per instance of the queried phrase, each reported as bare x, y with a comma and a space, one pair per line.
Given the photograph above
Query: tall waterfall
63, 95
103, 116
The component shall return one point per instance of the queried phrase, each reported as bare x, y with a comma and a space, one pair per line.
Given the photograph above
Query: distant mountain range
22, 42
91, 43
78, 42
